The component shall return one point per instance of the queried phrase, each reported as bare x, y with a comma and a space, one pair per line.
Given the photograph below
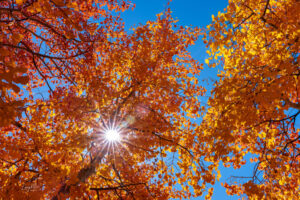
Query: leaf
81, 36
15, 88
19, 2
59, 2
207, 61
16, 38
4, 52
22, 79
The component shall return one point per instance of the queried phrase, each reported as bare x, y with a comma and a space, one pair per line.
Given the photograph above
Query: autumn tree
97, 79
255, 105
48, 41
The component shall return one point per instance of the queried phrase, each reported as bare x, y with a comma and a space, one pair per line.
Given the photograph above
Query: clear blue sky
191, 13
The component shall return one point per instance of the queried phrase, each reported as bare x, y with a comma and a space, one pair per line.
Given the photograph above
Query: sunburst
112, 135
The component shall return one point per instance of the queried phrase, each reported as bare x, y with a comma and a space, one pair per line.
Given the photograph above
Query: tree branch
117, 187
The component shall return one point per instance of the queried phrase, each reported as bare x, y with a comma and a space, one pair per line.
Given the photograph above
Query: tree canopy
98, 77
255, 104
117, 114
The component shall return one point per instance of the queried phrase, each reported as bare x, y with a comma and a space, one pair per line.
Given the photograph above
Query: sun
112, 135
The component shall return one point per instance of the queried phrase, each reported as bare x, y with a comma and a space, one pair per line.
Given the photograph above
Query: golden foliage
93, 74
256, 101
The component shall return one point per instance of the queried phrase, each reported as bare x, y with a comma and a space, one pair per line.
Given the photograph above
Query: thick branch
117, 187
82, 175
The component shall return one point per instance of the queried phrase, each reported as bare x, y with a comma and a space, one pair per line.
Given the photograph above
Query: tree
255, 105
50, 40
98, 78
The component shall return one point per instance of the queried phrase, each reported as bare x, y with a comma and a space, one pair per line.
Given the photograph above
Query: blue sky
189, 13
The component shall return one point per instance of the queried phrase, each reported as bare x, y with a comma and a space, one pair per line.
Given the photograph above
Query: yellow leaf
281, 182
207, 61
